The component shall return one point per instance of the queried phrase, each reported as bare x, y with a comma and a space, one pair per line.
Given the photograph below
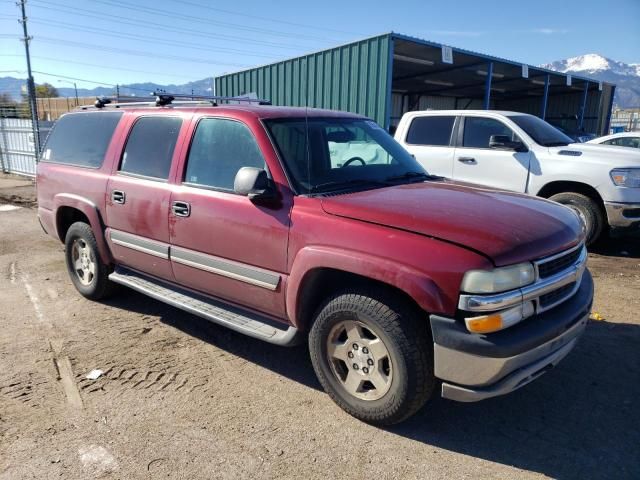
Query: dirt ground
182, 398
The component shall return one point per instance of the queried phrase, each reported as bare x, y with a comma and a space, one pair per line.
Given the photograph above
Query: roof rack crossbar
163, 99
213, 98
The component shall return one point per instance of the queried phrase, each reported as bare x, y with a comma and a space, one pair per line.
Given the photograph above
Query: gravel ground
182, 398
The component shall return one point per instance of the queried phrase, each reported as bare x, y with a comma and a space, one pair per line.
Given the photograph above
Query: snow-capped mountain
626, 76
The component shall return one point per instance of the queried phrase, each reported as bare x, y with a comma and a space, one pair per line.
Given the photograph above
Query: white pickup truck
521, 152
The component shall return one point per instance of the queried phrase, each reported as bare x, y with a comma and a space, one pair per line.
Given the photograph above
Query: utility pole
31, 86
117, 93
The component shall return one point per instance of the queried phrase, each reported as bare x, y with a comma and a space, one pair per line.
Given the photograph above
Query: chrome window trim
499, 301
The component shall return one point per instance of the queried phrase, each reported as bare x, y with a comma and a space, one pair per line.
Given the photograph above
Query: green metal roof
355, 77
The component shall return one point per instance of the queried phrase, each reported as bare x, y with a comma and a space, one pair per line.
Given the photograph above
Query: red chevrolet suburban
290, 223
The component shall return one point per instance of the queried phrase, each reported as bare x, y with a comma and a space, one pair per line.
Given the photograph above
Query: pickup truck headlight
626, 177
499, 279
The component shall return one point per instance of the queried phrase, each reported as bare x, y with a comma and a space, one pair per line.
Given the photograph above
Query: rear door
429, 140
475, 162
222, 243
138, 196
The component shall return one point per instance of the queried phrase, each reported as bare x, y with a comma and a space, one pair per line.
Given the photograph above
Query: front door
222, 243
475, 162
138, 197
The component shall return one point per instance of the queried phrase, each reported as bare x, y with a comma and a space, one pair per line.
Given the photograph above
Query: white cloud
549, 31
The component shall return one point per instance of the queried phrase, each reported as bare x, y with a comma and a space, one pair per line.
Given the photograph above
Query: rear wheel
373, 356
87, 271
587, 209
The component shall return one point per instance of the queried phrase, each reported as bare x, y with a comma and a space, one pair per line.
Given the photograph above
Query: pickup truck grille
557, 264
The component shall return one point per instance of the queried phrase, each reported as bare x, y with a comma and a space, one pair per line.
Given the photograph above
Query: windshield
339, 153
541, 132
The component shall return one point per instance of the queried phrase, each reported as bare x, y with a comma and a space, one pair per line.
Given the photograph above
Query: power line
192, 18
247, 15
147, 24
105, 67
146, 38
138, 53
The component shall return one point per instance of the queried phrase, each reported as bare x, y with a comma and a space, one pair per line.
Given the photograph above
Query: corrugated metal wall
560, 108
353, 77
400, 104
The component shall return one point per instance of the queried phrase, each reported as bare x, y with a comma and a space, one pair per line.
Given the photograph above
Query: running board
248, 323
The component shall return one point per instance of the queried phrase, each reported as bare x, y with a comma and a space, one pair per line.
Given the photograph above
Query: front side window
150, 147
478, 131
81, 139
328, 154
433, 131
219, 149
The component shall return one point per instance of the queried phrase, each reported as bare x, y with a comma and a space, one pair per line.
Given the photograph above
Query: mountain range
625, 76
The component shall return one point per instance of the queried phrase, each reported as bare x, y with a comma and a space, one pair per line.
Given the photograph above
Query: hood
506, 227
605, 154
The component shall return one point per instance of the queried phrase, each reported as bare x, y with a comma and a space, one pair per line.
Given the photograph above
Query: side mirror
255, 184
504, 142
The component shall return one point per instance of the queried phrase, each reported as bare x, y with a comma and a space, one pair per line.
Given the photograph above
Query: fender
415, 283
91, 211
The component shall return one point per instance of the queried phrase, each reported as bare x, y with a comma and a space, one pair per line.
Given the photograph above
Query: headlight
626, 177
499, 279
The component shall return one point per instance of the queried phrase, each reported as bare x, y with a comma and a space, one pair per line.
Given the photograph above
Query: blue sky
115, 41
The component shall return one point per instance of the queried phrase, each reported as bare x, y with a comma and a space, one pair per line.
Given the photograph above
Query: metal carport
387, 75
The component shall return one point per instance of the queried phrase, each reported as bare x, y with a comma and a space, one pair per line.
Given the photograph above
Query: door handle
118, 196
181, 209
467, 160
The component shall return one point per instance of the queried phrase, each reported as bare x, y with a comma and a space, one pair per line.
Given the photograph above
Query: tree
8, 106
46, 90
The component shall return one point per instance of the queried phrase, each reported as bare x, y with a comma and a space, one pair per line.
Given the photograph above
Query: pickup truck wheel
373, 356
588, 211
88, 274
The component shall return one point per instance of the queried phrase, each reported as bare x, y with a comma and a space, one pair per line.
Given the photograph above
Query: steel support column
545, 97
487, 86
584, 106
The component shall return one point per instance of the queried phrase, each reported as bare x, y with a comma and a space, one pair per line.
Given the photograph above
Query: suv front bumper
623, 218
474, 367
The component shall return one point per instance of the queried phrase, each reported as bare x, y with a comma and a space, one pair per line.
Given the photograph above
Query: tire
408, 365
81, 246
587, 209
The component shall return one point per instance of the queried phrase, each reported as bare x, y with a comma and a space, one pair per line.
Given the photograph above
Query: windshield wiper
342, 185
412, 176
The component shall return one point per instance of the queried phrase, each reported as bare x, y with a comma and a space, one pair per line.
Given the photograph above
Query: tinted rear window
81, 139
150, 147
434, 130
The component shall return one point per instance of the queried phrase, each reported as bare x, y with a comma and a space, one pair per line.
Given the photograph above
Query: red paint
420, 238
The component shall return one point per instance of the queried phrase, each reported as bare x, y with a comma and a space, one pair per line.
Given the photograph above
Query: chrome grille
558, 263
556, 296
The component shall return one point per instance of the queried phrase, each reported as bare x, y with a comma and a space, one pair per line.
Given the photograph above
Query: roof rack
213, 99
163, 99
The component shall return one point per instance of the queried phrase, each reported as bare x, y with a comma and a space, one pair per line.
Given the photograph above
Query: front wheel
373, 356
588, 211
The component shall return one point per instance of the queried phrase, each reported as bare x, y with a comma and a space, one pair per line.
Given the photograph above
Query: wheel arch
71, 208
319, 272
564, 186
